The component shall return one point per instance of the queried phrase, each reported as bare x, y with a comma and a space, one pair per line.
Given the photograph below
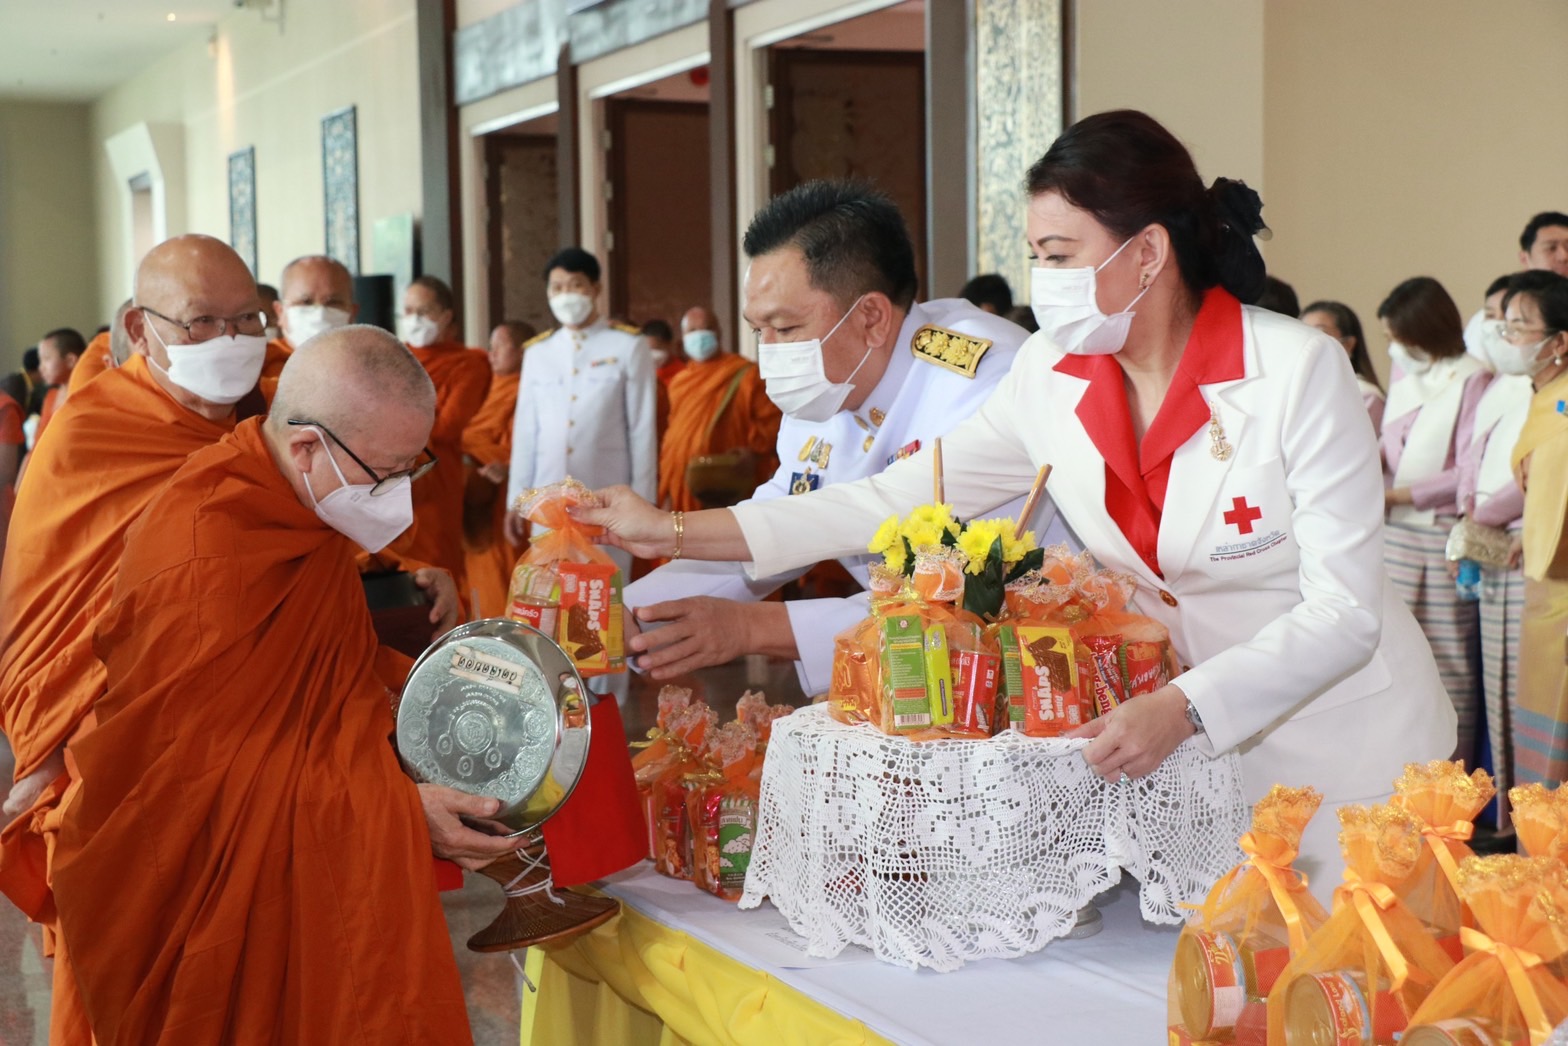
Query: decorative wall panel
340, 182
242, 205
1018, 113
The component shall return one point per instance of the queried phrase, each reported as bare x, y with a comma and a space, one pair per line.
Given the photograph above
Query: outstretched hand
1135, 737
442, 591
630, 522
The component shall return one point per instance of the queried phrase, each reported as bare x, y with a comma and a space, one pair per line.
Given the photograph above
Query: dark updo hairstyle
1422, 315
1549, 291
1349, 325
1130, 173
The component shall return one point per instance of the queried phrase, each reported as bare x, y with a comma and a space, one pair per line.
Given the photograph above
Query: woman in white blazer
1217, 453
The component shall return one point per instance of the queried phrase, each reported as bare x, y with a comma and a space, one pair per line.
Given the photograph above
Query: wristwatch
1194, 718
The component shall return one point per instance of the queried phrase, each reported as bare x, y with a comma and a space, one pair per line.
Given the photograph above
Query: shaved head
506, 346
185, 277
360, 382
699, 319
316, 279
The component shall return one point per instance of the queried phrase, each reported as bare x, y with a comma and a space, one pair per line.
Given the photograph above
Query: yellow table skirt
635, 982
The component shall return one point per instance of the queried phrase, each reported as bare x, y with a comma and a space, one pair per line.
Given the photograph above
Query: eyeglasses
383, 483
205, 328
1514, 331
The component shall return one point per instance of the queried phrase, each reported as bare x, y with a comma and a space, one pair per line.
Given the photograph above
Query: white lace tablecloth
939, 853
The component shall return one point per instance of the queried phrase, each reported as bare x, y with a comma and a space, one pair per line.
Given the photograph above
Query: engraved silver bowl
496, 708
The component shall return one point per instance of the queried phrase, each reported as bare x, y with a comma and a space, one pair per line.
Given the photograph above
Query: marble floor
490, 982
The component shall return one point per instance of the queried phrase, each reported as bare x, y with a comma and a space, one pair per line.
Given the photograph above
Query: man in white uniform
586, 404
865, 377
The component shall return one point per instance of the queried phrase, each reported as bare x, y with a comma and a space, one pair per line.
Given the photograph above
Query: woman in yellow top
1536, 325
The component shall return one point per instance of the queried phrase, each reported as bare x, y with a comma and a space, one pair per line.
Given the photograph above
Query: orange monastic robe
243, 852
114, 445
751, 421
91, 363
488, 439
462, 379
11, 435
278, 352
54, 399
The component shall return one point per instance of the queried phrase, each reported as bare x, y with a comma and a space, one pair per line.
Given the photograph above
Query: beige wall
1418, 143
1388, 139
48, 229
259, 86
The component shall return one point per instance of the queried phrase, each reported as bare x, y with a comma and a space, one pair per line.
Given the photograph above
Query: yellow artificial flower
896, 556
976, 540
938, 516
885, 536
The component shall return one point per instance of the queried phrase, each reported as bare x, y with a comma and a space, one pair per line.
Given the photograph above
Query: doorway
522, 225
657, 210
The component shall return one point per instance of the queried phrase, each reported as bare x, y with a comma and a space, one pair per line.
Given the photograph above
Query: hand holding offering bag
565, 585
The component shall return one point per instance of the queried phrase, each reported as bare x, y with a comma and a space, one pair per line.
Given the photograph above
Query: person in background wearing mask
428, 326
1536, 326
718, 404
1544, 243
318, 296
198, 332
668, 354
1149, 375
865, 376
243, 727
1490, 498
1432, 398
1340, 322
586, 405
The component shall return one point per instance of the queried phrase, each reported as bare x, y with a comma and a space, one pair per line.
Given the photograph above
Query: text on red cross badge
1242, 515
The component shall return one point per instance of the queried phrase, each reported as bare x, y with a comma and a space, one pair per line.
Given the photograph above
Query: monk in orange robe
487, 454
58, 353
282, 887
316, 294
717, 403
428, 325
105, 352
110, 449
12, 440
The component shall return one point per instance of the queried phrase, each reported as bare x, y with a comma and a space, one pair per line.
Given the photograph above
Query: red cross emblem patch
1242, 515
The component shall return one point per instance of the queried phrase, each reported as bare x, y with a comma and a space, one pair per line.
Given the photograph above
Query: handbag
727, 478
1485, 545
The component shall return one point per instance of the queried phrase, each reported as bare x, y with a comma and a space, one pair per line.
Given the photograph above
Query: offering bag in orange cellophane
1254, 919
1374, 957
1510, 983
721, 806
1540, 817
1446, 800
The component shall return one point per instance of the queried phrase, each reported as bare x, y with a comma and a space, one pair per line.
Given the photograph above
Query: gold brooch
1219, 446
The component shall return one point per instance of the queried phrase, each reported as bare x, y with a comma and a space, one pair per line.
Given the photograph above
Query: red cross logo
1242, 515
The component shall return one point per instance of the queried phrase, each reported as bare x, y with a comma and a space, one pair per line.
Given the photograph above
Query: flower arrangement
993, 549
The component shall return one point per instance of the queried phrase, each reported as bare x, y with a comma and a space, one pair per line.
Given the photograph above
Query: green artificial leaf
983, 591
909, 558
1031, 561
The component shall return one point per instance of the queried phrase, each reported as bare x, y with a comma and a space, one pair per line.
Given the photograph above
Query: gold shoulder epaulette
959, 353
625, 328
537, 338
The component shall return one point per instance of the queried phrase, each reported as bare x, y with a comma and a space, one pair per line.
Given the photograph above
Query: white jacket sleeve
985, 465
1335, 482
815, 622
642, 439
525, 440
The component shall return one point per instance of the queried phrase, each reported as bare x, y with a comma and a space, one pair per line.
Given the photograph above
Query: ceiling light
170, 17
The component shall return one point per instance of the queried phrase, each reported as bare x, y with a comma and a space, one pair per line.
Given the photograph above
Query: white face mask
418, 331
571, 309
219, 370
272, 333
1411, 361
370, 521
797, 380
700, 345
1066, 307
660, 356
307, 321
1509, 358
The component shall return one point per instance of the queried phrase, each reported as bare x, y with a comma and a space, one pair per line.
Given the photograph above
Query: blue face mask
700, 345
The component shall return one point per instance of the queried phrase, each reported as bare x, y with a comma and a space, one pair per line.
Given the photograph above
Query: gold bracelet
680, 533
